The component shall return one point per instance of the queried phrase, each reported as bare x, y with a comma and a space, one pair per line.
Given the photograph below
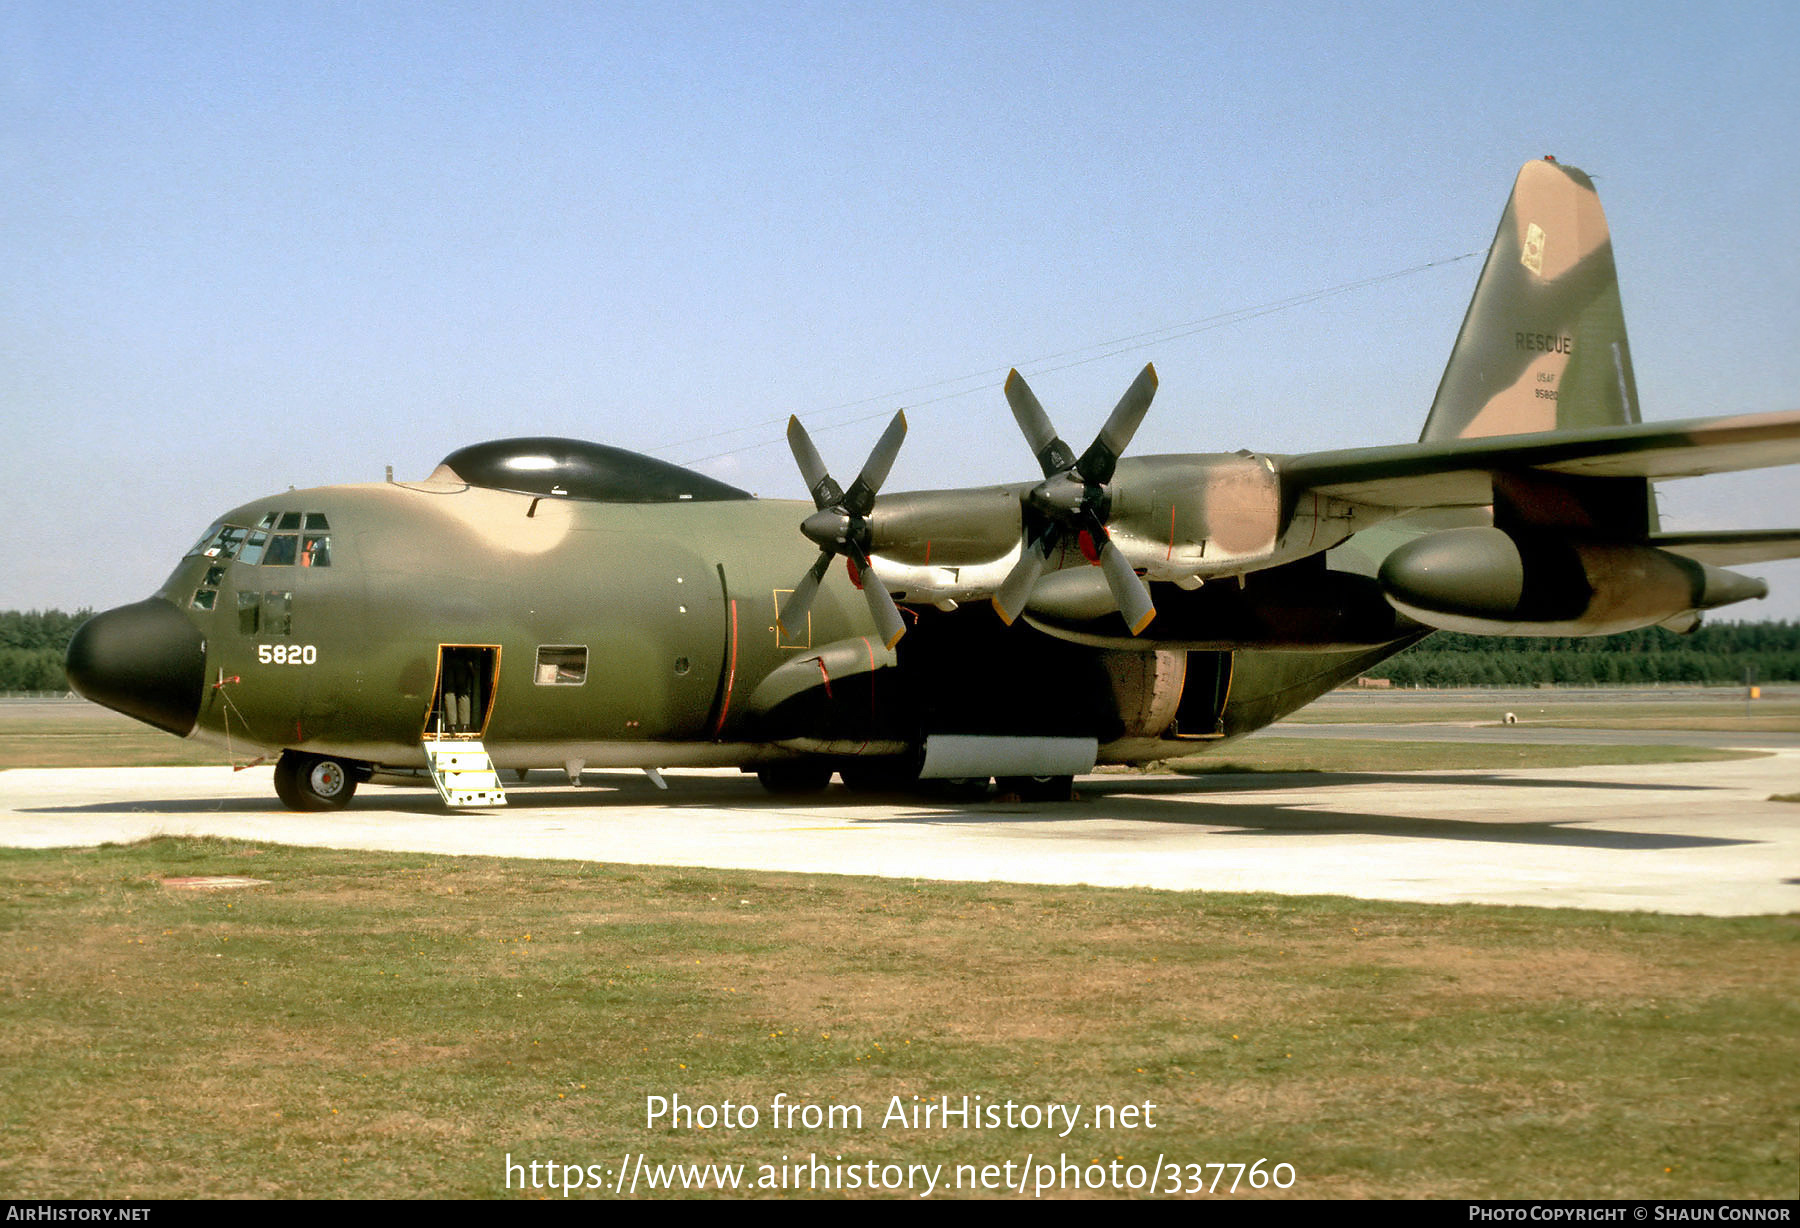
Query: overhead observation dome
576, 469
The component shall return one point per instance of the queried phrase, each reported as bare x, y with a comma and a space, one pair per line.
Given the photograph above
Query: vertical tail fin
1543, 346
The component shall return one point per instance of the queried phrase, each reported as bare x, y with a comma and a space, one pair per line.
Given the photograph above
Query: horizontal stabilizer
1459, 472
1734, 547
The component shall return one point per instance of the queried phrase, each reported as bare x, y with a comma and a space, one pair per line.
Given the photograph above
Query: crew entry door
464, 699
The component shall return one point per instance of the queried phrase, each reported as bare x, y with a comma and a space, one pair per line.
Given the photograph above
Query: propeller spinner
1075, 498
841, 526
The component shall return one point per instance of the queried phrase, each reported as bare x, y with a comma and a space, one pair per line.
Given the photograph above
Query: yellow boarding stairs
463, 773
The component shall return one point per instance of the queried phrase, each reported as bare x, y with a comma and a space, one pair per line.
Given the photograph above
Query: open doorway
1203, 695
467, 674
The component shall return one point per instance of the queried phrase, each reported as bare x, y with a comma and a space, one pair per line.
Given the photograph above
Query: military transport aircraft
551, 603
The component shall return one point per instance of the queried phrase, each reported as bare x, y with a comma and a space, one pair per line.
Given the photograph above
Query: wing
1460, 472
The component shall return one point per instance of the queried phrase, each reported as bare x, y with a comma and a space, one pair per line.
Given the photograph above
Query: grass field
374, 1025
61, 733
1722, 709
1272, 753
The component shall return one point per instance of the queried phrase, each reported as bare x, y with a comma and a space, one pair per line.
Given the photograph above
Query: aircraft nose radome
145, 660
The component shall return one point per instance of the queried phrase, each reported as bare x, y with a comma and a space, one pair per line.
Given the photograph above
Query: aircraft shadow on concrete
1127, 802
168, 805
1256, 782
1243, 818
1189, 802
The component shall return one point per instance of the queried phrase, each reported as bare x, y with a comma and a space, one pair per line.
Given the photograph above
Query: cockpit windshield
280, 539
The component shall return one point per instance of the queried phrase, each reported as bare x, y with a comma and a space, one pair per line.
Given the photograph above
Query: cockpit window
315, 549
289, 520
254, 545
282, 548
229, 540
316, 520
221, 542
206, 539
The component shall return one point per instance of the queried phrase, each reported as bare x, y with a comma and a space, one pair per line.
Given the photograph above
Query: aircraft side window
249, 611
253, 547
204, 598
214, 574
315, 550
316, 520
562, 665
282, 549
289, 520
278, 613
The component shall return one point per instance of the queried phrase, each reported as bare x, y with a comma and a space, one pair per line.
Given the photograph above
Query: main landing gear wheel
791, 777
962, 788
1039, 788
313, 782
881, 775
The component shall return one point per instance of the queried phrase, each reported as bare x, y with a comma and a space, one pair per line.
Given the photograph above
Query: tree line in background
1716, 654
32, 646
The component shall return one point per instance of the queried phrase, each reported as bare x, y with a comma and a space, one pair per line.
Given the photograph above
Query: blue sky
253, 246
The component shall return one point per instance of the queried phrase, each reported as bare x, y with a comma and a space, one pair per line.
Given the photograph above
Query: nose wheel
313, 782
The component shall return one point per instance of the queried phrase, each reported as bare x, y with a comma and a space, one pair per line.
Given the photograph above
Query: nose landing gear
313, 782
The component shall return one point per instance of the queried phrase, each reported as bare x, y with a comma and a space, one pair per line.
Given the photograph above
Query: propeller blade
794, 610
1015, 591
841, 526
825, 492
1053, 455
882, 607
1073, 497
859, 500
1128, 590
1097, 463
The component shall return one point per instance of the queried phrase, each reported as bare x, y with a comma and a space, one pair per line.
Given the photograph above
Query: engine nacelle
1486, 581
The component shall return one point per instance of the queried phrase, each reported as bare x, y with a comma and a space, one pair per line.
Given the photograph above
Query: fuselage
609, 627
